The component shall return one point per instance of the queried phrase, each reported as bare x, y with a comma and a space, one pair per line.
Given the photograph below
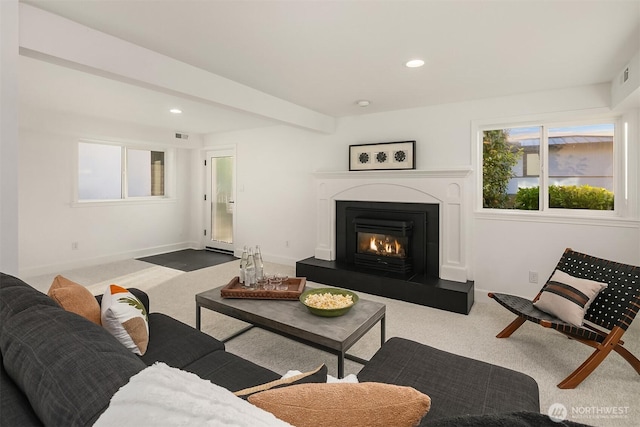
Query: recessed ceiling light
175, 111
415, 63
363, 103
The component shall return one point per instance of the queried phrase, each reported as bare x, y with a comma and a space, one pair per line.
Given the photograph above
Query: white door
220, 200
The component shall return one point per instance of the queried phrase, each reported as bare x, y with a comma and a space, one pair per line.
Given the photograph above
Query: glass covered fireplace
383, 244
389, 239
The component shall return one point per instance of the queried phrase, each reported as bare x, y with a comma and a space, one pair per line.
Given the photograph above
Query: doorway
220, 201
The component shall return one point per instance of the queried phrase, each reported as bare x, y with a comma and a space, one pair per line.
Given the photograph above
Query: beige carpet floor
609, 397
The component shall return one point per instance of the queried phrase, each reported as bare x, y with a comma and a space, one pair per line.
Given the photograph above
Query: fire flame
377, 246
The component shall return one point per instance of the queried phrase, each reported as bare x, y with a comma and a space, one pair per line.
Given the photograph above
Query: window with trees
549, 166
115, 172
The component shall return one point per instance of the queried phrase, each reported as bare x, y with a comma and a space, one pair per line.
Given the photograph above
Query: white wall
277, 204
50, 221
9, 239
275, 200
506, 249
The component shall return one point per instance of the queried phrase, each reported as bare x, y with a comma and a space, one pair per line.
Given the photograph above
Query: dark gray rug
189, 259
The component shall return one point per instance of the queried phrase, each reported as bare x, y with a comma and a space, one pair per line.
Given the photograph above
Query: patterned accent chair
605, 321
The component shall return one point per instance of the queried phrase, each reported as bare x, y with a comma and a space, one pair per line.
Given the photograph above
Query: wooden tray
235, 290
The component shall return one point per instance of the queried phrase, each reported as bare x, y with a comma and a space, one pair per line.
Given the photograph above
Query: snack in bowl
328, 302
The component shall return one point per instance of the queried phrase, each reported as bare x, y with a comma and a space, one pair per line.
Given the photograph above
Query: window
112, 172
145, 172
549, 166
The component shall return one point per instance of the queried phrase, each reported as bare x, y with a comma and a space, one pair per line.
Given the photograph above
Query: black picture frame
382, 156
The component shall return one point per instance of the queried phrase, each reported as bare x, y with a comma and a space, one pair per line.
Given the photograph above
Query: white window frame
169, 175
620, 171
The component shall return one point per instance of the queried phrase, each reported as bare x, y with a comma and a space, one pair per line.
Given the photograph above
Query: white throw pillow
567, 297
125, 317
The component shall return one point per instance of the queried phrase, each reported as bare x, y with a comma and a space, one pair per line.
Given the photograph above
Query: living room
284, 153
490, 249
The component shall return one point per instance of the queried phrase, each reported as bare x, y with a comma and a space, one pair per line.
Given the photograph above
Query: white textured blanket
164, 396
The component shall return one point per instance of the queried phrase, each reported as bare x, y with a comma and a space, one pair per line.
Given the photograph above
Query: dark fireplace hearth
392, 250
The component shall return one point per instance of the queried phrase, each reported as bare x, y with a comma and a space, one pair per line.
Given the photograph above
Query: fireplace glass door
383, 244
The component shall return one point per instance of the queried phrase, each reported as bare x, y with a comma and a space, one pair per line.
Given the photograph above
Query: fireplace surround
443, 284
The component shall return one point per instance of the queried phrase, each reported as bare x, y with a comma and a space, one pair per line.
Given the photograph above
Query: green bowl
333, 312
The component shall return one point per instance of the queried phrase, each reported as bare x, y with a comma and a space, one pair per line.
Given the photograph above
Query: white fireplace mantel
443, 186
458, 172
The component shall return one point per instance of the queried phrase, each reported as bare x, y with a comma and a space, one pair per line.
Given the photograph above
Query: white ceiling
326, 55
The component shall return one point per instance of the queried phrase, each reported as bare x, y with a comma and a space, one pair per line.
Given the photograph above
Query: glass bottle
243, 264
259, 264
250, 271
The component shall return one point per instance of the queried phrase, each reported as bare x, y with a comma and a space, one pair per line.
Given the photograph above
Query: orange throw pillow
75, 298
345, 404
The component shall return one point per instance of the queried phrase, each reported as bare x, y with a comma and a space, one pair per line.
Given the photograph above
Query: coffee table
292, 320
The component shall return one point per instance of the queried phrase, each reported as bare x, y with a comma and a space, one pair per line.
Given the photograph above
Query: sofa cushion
175, 343
75, 298
126, 318
230, 371
15, 409
353, 405
55, 356
455, 384
511, 419
567, 297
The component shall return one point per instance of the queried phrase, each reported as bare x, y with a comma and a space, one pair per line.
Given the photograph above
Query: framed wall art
383, 156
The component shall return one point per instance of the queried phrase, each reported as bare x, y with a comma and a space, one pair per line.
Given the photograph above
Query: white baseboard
266, 257
290, 262
481, 295
104, 259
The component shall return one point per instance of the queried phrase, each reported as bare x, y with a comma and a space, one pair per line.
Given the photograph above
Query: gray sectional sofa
60, 369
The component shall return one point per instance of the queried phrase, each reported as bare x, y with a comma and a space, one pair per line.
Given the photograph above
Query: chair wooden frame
606, 320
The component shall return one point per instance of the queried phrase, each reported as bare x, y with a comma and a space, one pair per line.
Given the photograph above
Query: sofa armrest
141, 295
66, 366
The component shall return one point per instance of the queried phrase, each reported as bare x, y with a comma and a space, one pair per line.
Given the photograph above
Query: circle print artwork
363, 157
381, 157
400, 155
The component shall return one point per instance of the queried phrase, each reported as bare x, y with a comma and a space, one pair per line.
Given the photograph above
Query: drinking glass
281, 282
269, 285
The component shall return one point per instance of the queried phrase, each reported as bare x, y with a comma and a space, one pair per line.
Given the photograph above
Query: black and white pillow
568, 297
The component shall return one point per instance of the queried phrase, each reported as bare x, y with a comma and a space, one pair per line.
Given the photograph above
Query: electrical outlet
74, 246
533, 277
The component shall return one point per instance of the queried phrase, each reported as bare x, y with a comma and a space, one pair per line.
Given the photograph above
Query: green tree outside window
498, 159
